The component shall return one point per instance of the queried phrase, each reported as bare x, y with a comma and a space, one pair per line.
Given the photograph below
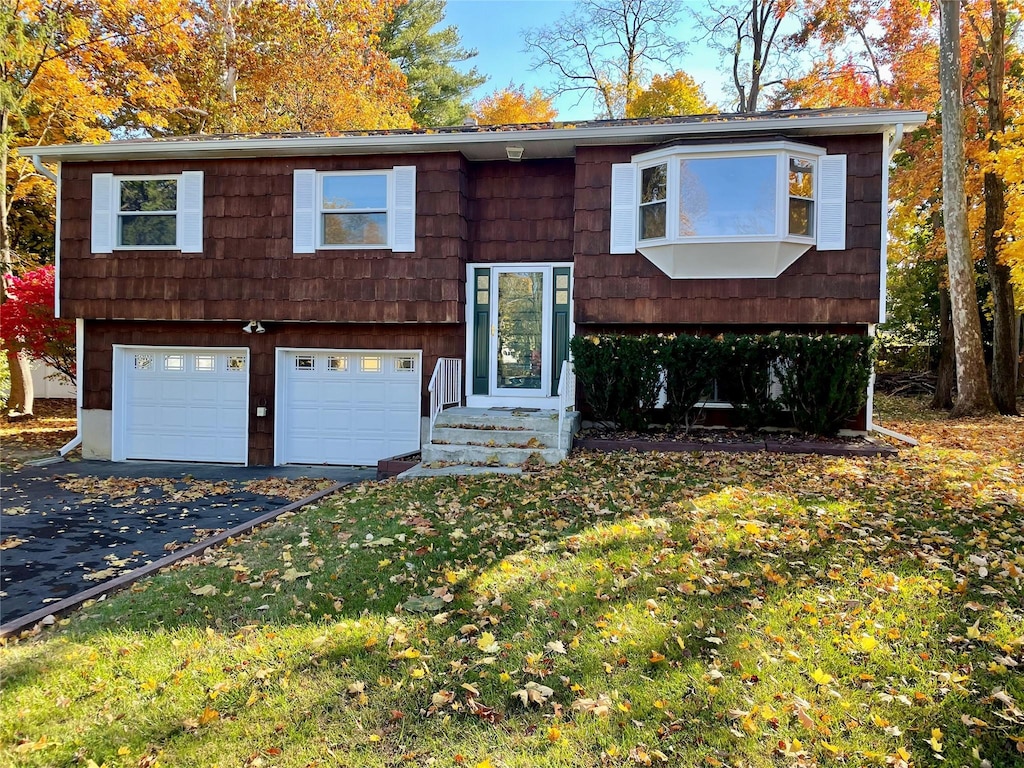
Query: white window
730, 210
139, 213
174, 362
205, 363
355, 209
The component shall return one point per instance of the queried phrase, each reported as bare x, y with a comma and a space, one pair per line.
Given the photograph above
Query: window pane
652, 221
149, 195
801, 177
355, 192
801, 217
205, 363
727, 196
355, 229
236, 363
148, 230
653, 183
174, 362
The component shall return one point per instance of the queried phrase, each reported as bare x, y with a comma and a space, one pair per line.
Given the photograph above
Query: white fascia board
549, 142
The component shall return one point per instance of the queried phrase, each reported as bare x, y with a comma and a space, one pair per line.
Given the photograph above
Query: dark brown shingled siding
248, 269
521, 211
100, 336
831, 287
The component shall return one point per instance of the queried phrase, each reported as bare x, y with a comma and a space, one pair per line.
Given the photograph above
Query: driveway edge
127, 579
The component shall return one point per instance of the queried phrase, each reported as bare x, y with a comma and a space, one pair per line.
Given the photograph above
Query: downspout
890, 149
76, 441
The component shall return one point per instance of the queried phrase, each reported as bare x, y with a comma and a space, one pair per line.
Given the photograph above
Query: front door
520, 354
520, 317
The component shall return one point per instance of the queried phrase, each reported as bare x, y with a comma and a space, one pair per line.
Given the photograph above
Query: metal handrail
445, 388
566, 395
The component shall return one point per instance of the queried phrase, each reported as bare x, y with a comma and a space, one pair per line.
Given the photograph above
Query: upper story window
730, 210
140, 213
354, 210
147, 213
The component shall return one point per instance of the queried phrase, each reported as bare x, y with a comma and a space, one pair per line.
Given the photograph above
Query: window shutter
304, 211
405, 209
103, 216
832, 203
190, 212
624, 213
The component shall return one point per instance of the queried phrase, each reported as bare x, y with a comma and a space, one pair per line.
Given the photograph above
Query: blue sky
495, 29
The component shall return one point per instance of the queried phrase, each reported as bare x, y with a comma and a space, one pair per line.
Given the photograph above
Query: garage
346, 406
181, 404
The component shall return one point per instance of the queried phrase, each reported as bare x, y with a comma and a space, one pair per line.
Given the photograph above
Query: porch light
515, 154
254, 326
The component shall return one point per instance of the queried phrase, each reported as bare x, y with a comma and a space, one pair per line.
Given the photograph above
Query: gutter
441, 141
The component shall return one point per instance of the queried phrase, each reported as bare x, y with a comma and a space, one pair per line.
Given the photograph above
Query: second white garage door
346, 406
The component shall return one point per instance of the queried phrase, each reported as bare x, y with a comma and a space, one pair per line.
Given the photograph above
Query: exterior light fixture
515, 154
254, 326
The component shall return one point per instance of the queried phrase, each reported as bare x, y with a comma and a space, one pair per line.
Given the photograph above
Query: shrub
824, 379
748, 362
692, 363
620, 376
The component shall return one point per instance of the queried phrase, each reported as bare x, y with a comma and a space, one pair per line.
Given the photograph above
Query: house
290, 298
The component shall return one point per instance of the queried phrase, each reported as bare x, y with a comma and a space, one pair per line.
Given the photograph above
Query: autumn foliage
27, 322
675, 94
513, 105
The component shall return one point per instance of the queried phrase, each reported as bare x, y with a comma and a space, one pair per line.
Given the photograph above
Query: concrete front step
456, 470
525, 438
481, 454
519, 419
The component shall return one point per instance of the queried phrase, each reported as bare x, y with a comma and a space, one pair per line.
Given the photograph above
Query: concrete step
518, 419
475, 454
456, 470
497, 437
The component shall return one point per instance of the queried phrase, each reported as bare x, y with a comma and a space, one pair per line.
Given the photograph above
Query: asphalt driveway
72, 525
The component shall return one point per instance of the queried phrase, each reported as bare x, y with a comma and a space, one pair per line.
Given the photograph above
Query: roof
486, 142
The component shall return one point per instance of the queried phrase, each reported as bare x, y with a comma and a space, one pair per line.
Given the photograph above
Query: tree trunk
22, 399
973, 395
945, 374
1004, 314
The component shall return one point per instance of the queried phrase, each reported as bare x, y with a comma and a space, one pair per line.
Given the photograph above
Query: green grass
693, 610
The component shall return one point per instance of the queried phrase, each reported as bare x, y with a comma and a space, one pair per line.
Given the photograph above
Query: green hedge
815, 383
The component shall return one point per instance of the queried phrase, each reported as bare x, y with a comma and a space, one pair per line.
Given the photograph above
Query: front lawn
685, 610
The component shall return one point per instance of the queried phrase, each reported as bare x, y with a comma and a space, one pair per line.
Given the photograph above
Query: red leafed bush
27, 322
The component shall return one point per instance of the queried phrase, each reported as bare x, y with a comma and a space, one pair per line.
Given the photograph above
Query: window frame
116, 211
782, 151
389, 211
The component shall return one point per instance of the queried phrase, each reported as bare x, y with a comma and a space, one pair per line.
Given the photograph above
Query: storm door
520, 349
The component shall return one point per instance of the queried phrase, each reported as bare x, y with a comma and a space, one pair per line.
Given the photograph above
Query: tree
73, 70
675, 94
440, 92
1004, 315
512, 105
604, 48
973, 395
277, 65
28, 323
749, 36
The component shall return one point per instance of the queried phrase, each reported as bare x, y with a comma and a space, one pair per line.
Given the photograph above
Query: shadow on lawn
710, 577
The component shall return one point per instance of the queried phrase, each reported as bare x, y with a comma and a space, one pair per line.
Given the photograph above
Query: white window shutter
624, 210
304, 211
190, 212
831, 203
404, 215
103, 214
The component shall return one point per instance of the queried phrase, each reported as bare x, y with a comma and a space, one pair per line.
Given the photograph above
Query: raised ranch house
316, 299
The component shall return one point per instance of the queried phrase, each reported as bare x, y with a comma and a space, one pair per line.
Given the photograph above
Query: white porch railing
445, 388
566, 397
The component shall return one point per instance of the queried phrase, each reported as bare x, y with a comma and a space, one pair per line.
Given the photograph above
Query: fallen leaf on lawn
533, 693
207, 590
486, 643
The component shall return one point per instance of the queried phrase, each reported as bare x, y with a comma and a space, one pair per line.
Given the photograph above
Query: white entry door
181, 404
346, 406
521, 323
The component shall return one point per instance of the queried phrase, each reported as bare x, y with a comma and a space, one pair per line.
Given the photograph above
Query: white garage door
181, 404
346, 407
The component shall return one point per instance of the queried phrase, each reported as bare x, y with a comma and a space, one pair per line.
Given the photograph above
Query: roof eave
541, 142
